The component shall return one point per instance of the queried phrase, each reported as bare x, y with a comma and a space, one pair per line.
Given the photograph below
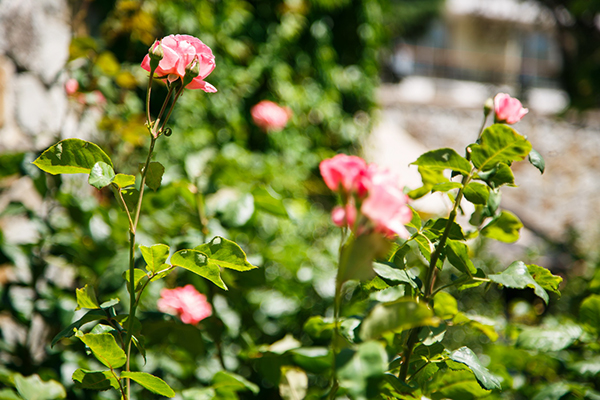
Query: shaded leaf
445, 305
198, 263
461, 384
105, 348
504, 228
139, 278
154, 175
429, 178
71, 156
476, 193
466, 356
69, 331
267, 200
357, 370
155, 256
86, 298
312, 359
537, 160
589, 312
457, 254
499, 143
357, 257
500, 175
442, 159
396, 317
101, 175
96, 380
438, 226
318, 329
232, 382
446, 186
517, 276
150, 382
395, 276
224, 253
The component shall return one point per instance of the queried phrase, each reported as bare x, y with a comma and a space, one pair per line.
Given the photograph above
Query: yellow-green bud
488, 106
192, 70
156, 54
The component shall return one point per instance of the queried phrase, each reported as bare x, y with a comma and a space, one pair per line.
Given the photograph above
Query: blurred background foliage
226, 177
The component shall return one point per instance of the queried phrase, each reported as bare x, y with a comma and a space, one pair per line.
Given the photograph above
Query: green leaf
446, 186
457, 254
438, 226
442, 159
71, 156
589, 312
504, 227
155, 256
224, 253
500, 175
544, 339
396, 317
499, 143
96, 380
395, 276
101, 175
33, 388
477, 193
360, 370
131, 197
357, 257
267, 200
86, 298
429, 178
150, 382
105, 348
139, 278
69, 331
318, 329
154, 175
10, 164
517, 276
545, 278
198, 263
466, 356
537, 160
293, 384
232, 382
554, 391
312, 359
9, 394
460, 384
123, 180
445, 305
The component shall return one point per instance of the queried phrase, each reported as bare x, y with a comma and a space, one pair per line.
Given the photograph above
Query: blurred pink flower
179, 51
71, 86
185, 302
348, 171
386, 204
270, 116
373, 191
508, 109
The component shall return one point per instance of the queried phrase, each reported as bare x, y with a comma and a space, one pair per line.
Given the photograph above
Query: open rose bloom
269, 116
179, 52
508, 109
186, 303
373, 198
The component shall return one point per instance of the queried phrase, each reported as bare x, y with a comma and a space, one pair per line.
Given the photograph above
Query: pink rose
71, 86
185, 302
508, 109
344, 216
179, 51
386, 204
350, 172
270, 116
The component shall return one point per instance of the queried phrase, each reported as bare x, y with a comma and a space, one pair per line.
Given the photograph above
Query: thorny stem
179, 92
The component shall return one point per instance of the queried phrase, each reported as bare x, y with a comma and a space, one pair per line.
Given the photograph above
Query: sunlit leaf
429, 177
150, 382
198, 263
545, 278
71, 156
457, 254
93, 315
101, 175
293, 384
504, 228
537, 160
445, 305
123, 180
312, 359
33, 388
318, 329
396, 317
442, 159
499, 143
228, 381
154, 174
476, 193
395, 275
549, 338
96, 380
86, 298
155, 256
517, 276
105, 348
224, 253
446, 186
139, 278
466, 356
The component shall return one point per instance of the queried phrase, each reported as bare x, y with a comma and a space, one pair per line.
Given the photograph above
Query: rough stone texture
565, 198
36, 35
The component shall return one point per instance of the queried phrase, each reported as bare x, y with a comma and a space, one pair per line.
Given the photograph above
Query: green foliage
71, 156
504, 227
224, 253
86, 298
395, 317
105, 348
150, 382
466, 356
517, 276
95, 380
499, 143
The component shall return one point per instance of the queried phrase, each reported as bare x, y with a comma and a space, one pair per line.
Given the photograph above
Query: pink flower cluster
269, 116
508, 109
185, 302
373, 198
181, 51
